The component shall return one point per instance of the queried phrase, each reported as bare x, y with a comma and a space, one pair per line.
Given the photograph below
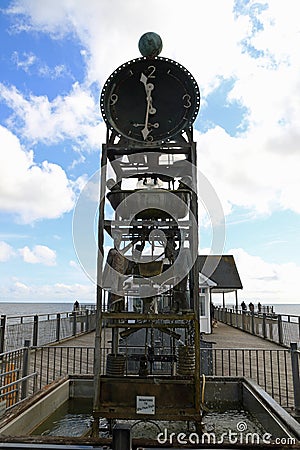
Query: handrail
43, 328
19, 380
273, 327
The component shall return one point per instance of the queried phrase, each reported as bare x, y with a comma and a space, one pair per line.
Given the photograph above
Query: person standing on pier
76, 306
243, 306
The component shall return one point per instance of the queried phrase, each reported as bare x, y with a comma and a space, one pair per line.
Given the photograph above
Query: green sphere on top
150, 44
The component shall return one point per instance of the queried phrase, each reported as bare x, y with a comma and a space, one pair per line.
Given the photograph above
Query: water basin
72, 418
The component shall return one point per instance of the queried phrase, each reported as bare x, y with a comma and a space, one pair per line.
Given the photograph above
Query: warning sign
145, 404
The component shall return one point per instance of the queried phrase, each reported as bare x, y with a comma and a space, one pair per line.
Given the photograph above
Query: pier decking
226, 336
223, 336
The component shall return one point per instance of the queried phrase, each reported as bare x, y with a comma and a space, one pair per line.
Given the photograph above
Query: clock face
150, 100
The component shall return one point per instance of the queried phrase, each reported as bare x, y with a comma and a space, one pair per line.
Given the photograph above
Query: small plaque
145, 404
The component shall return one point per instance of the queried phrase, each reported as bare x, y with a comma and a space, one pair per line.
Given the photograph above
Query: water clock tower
147, 363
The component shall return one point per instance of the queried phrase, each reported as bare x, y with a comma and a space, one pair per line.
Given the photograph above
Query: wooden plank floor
225, 336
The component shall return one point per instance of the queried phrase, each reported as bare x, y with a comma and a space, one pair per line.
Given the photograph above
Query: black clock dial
150, 100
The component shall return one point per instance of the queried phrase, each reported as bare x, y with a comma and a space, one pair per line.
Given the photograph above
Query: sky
55, 57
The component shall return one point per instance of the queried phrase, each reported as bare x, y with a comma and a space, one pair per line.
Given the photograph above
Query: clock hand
149, 87
145, 131
154, 125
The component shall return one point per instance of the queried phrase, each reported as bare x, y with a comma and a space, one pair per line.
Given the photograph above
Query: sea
22, 309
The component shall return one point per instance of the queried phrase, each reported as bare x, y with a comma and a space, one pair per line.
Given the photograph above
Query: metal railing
24, 370
43, 329
276, 371
52, 363
279, 328
17, 382
270, 369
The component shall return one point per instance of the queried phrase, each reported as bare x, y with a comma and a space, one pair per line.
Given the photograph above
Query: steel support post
195, 279
98, 334
35, 332
252, 323
236, 309
2, 333
280, 334
264, 326
74, 323
87, 322
25, 369
57, 327
295, 354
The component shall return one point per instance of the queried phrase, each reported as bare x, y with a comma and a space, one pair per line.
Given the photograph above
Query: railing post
279, 323
35, 330
57, 327
299, 327
87, 322
243, 320
230, 315
2, 333
296, 378
74, 323
264, 328
252, 322
25, 369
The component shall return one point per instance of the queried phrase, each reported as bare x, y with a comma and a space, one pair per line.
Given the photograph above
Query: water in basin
74, 418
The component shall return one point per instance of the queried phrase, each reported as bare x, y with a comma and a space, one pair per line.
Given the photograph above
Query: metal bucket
151, 268
186, 360
115, 364
150, 203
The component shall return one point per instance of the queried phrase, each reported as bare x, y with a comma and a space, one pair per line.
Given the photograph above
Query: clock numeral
152, 70
113, 99
187, 101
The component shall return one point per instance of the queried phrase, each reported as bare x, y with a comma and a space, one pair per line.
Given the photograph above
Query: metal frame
109, 400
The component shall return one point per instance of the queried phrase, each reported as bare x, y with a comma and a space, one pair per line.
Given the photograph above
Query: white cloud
18, 290
270, 282
244, 172
74, 116
21, 288
6, 251
257, 170
28, 190
29, 59
74, 264
210, 45
103, 30
40, 254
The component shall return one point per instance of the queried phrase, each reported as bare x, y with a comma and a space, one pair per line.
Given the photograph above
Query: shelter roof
222, 270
